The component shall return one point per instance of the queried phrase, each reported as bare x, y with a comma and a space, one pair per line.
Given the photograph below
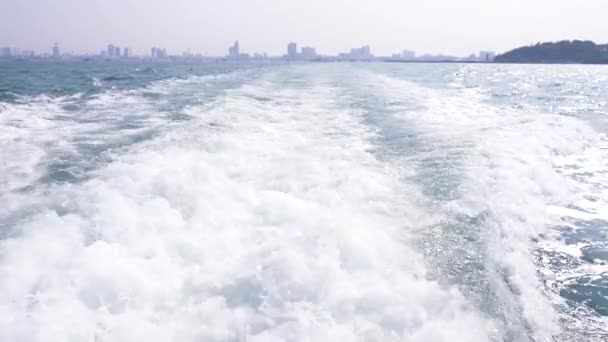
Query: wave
298, 202
277, 222
499, 185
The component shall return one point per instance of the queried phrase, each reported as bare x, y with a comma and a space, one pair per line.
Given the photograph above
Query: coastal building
234, 50
157, 52
357, 54
309, 53
292, 50
114, 51
56, 52
126, 53
408, 54
8, 52
5, 52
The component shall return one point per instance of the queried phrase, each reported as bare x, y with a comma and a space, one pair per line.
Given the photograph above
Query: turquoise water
303, 202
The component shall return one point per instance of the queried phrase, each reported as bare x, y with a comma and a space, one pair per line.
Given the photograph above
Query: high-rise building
126, 53
157, 52
5, 52
407, 54
358, 54
56, 52
110, 50
234, 51
308, 53
362, 52
292, 50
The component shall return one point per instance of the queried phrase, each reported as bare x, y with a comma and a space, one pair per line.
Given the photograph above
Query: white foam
509, 174
257, 220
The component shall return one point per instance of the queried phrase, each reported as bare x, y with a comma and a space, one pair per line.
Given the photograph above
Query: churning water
303, 202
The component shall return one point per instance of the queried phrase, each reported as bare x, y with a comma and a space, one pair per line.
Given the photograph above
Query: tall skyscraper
153, 52
234, 50
126, 53
56, 52
110, 50
292, 50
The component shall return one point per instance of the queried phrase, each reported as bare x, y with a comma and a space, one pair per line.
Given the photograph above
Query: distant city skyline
309, 51
457, 27
292, 53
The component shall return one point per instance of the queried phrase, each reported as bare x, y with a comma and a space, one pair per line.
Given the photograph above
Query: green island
566, 51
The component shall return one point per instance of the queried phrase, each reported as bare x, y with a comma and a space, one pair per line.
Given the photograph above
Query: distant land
566, 51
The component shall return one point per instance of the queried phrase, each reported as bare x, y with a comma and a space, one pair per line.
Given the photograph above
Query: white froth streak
258, 221
25, 131
28, 134
39, 131
510, 175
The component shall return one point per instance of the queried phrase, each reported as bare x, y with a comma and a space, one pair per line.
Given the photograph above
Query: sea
265, 201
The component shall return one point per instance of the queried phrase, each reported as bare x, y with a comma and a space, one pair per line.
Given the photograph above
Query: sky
456, 27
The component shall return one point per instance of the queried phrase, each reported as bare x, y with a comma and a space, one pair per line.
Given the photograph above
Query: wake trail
266, 217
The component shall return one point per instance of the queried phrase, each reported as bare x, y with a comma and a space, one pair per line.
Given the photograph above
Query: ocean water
223, 201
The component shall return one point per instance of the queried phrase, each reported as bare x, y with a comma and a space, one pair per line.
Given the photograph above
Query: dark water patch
588, 290
8, 97
583, 231
179, 117
57, 92
578, 208
91, 93
595, 254
64, 169
261, 98
118, 77
585, 295
71, 107
148, 70
152, 95
59, 176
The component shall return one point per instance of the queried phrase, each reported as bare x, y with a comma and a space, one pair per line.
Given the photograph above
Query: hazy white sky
449, 26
